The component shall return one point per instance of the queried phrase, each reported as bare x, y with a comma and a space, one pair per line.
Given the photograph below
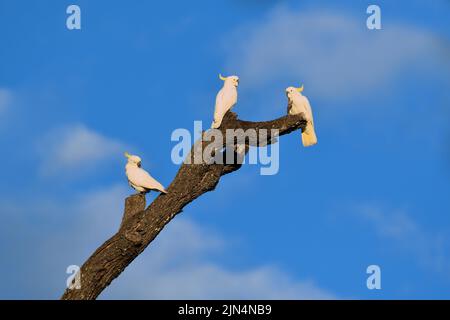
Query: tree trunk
140, 226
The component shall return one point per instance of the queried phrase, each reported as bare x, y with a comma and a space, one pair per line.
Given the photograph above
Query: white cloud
76, 147
55, 232
397, 226
179, 266
212, 281
333, 54
184, 262
5, 100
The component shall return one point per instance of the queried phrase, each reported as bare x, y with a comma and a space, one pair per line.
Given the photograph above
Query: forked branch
140, 226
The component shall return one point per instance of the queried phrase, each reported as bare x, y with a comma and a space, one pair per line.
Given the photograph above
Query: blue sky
375, 190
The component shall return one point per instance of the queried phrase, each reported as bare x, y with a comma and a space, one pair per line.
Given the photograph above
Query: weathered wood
140, 227
133, 204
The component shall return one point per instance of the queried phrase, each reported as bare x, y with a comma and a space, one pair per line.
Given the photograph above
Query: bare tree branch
141, 226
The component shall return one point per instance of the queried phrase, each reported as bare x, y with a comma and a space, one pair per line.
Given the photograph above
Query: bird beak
222, 78
127, 155
139, 164
300, 89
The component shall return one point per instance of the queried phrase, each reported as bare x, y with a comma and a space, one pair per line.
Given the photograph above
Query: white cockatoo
298, 103
226, 98
138, 178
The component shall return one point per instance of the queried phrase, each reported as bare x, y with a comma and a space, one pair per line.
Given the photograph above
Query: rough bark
140, 226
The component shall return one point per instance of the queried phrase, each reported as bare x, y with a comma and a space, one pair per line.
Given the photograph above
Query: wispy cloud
60, 232
334, 54
429, 248
183, 263
76, 147
179, 266
6, 98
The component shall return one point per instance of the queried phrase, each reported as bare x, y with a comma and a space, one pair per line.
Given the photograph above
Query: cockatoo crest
232, 80
290, 91
133, 159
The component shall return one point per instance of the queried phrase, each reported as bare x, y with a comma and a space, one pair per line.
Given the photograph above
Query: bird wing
220, 105
142, 178
289, 106
225, 100
308, 110
298, 105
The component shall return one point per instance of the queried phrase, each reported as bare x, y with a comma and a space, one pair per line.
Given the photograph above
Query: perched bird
138, 178
226, 98
298, 103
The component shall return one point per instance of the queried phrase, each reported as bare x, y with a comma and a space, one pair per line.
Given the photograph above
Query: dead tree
141, 225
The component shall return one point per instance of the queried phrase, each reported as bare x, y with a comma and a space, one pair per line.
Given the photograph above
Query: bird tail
215, 125
309, 137
217, 121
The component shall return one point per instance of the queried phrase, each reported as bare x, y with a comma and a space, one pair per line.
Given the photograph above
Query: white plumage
225, 100
298, 103
138, 178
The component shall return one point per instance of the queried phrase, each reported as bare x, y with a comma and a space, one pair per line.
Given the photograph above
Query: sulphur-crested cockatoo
298, 103
138, 178
226, 98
